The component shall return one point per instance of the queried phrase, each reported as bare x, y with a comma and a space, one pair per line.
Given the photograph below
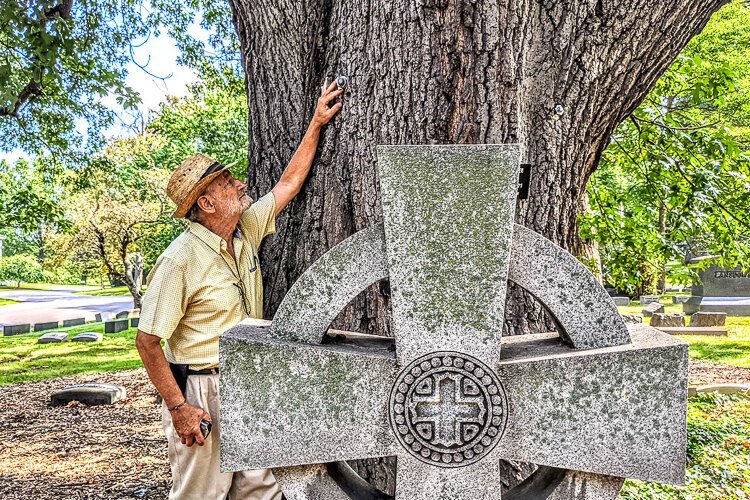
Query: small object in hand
205, 428
342, 81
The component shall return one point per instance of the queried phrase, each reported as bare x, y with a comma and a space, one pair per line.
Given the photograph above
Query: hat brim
195, 193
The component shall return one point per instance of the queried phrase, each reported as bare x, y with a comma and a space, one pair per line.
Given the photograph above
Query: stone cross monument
449, 397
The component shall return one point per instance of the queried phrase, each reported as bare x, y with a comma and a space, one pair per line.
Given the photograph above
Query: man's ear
206, 204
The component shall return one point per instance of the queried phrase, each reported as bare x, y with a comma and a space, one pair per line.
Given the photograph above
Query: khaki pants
195, 470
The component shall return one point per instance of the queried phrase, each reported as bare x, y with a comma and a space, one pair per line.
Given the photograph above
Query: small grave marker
88, 337
648, 299
74, 322
53, 338
9, 330
91, 394
116, 325
49, 325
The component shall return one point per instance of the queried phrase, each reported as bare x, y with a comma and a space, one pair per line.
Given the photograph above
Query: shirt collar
208, 237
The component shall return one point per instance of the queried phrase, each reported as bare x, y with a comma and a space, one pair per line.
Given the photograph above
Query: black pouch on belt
180, 374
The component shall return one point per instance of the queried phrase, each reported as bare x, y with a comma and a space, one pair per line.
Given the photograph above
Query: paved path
37, 306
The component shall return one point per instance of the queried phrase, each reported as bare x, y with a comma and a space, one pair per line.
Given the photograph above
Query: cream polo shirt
193, 297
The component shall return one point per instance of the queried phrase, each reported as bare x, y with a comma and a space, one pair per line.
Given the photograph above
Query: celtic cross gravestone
448, 396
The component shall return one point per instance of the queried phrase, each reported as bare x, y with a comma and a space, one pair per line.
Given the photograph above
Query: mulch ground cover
119, 451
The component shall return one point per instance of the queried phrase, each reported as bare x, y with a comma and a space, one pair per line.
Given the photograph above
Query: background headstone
104, 316
653, 307
49, 325
648, 299
708, 319
91, 394
88, 337
621, 301
131, 313
74, 322
721, 290
632, 318
116, 325
667, 319
53, 338
134, 322
16, 329
680, 299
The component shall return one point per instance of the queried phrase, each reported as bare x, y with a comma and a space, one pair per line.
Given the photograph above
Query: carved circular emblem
448, 409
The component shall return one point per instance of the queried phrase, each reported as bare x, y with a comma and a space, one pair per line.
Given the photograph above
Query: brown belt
205, 371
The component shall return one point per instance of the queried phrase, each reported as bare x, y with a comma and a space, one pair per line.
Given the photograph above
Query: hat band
213, 168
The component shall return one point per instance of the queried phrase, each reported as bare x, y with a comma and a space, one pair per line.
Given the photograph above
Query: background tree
58, 60
557, 79
31, 207
20, 269
676, 177
119, 207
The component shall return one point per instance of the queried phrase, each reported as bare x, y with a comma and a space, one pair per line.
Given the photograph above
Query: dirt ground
119, 451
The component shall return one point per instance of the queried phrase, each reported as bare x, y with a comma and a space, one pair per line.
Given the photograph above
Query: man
205, 282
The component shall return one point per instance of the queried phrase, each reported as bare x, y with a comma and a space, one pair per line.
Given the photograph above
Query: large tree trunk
556, 77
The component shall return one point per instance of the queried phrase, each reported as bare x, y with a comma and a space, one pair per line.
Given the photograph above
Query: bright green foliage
23, 360
718, 431
7, 302
211, 120
58, 59
20, 268
676, 176
31, 207
63, 65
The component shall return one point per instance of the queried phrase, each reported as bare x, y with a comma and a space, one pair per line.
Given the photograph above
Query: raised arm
296, 172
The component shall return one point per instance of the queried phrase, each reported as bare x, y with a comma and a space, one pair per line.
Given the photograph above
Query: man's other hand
324, 113
187, 422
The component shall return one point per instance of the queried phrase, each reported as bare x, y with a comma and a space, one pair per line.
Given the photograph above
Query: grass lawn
108, 292
5, 302
718, 430
48, 286
732, 350
23, 360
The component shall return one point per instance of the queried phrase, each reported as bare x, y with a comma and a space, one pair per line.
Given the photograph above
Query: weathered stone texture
653, 307
448, 213
616, 411
583, 308
53, 338
329, 284
632, 318
708, 319
92, 394
664, 319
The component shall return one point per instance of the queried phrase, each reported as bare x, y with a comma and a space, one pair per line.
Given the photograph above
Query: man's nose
240, 185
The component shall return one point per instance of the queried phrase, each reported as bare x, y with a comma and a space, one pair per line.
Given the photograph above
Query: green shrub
19, 269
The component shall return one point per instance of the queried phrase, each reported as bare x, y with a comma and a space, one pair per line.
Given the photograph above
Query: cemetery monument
449, 396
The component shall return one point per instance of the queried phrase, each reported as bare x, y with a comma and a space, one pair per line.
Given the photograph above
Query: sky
159, 56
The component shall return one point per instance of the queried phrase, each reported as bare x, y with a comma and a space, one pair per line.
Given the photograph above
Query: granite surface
587, 403
329, 284
448, 213
584, 310
616, 411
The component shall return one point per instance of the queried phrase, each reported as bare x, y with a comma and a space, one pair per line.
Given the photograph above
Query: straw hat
190, 180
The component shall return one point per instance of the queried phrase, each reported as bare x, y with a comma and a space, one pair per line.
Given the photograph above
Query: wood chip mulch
119, 451
77, 451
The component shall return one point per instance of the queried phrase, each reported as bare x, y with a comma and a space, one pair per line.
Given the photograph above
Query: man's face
228, 195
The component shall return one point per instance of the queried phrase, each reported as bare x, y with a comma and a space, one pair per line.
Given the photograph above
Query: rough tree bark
557, 77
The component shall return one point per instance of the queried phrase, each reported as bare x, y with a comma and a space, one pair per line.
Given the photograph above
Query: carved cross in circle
288, 399
447, 410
